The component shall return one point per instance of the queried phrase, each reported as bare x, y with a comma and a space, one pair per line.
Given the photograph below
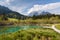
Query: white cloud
8, 1
2, 3
49, 6
5, 2
19, 9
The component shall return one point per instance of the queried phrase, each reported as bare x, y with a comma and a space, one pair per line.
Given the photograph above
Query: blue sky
27, 6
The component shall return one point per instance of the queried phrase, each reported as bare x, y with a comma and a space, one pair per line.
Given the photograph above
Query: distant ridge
41, 13
10, 13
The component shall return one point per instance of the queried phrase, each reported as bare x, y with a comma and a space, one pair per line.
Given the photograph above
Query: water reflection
10, 29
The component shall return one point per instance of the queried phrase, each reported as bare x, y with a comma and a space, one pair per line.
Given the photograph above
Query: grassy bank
58, 26
12, 21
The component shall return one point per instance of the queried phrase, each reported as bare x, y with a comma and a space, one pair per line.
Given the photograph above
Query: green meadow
29, 29
31, 34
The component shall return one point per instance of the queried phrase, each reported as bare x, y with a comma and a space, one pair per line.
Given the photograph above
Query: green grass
58, 26
32, 34
30, 21
12, 19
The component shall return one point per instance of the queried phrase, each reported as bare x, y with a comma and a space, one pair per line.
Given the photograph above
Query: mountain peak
39, 13
10, 13
4, 9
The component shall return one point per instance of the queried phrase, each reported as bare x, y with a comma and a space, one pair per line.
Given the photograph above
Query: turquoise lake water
17, 28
